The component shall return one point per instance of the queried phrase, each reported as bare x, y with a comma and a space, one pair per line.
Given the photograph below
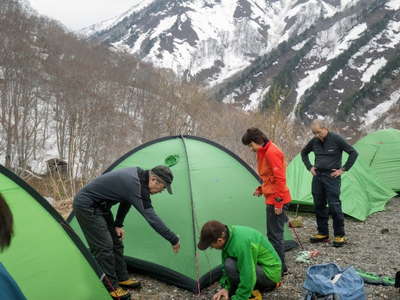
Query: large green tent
46, 258
381, 152
362, 193
210, 183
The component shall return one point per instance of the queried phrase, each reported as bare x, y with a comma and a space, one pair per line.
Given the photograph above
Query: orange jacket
272, 170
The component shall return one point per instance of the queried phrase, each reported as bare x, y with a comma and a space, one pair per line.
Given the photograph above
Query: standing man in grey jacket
92, 207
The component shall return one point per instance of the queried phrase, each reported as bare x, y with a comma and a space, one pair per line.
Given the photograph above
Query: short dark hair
6, 224
255, 135
210, 233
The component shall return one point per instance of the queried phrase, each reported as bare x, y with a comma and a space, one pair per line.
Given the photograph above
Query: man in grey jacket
92, 207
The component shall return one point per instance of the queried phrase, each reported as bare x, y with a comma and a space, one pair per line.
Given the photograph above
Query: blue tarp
330, 279
8, 287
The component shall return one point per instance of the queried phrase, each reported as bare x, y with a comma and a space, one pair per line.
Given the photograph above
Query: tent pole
193, 218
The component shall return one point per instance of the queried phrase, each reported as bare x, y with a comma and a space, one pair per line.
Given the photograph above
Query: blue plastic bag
330, 280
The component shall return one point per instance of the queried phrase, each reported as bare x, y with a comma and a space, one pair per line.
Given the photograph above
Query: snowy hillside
346, 68
210, 40
322, 58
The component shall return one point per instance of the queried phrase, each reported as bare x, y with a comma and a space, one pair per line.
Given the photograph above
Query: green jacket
249, 247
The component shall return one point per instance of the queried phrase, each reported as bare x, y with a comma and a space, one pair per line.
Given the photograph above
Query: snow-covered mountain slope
313, 57
346, 68
210, 40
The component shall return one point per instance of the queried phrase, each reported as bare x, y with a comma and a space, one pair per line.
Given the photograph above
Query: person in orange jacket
271, 168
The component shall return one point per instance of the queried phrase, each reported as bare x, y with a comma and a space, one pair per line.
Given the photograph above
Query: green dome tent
381, 152
362, 193
46, 258
210, 182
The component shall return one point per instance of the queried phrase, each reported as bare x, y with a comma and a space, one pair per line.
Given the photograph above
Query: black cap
165, 174
210, 232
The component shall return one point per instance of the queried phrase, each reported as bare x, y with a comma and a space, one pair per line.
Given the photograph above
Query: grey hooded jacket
128, 186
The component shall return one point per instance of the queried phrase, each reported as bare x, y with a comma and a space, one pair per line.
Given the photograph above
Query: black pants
275, 228
106, 247
263, 282
326, 191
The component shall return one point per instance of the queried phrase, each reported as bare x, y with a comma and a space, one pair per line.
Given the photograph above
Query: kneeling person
248, 258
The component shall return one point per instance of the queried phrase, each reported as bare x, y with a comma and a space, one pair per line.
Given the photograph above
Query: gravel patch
373, 246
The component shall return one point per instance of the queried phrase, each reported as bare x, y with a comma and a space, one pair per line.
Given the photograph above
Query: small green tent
46, 258
381, 152
361, 192
210, 183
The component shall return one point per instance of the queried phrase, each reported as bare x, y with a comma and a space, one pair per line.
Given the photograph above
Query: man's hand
221, 295
120, 232
176, 247
278, 211
257, 192
313, 171
337, 172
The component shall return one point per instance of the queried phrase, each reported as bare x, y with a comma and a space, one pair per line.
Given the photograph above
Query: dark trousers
275, 228
263, 282
106, 247
326, 191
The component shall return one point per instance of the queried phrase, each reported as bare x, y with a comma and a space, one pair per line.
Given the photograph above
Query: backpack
330, 282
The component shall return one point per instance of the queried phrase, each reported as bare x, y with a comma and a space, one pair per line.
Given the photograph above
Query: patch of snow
300, 45
393, 4
255, 99
373, 69
164, 25
329, 10
352, 64
236, 63
348, 3
337, 75
338, 38
344, 44
51, 200
304, 84
109, 23
375, 113
390, 36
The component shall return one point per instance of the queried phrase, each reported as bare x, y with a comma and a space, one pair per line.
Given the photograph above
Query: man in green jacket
248, 258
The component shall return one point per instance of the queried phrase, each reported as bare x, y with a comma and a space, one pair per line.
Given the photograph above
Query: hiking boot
318, 238
256, 295
120, 293
130, 283
339, 241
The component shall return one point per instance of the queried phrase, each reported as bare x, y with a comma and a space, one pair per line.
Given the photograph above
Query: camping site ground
373, 247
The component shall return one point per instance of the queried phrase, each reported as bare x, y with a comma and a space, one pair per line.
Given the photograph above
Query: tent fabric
210, 182
46, 258
362, 193
381, 152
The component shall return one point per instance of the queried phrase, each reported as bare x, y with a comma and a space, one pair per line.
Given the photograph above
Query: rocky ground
373, 246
